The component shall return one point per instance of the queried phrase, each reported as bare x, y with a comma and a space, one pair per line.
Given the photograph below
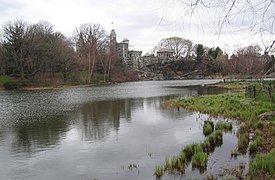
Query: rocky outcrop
172, 70
267, 115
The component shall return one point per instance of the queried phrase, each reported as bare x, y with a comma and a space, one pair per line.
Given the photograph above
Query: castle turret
113, 36
113, 43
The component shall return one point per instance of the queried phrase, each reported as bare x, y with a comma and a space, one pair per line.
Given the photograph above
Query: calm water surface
96, 132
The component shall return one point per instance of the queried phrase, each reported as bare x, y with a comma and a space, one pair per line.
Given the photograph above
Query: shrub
12, 85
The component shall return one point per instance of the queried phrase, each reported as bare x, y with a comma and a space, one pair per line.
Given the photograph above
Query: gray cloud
143, 22
10, 5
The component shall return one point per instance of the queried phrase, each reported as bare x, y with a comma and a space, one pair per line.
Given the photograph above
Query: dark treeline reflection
98, 118
34, 135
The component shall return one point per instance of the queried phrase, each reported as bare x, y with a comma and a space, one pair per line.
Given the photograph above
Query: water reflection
41, 121
84, 131
39, 134
98, 118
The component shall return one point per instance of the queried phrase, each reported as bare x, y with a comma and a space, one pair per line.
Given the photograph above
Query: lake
99, 132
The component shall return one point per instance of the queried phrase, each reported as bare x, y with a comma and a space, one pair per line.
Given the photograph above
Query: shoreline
253, 130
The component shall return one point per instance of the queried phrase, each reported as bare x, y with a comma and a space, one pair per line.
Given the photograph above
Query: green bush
12, 85
4, 79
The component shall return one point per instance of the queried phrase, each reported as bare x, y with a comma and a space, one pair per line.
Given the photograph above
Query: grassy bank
248, 110
232, 105
51, 81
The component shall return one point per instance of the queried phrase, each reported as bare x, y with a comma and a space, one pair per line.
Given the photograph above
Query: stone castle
134, 59
129, 57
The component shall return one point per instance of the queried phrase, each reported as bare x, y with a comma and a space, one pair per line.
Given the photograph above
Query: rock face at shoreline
175, 70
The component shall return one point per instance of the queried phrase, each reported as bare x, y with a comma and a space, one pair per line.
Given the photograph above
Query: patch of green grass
258, 125
199, 160
263, 165
182, 157
224, 126
244, 128
158, 172
258, 133
232, 105
206, 146
243, 142
273, 131
208, 128
174, 165
238, 84
215, 138
188, 150
253, 147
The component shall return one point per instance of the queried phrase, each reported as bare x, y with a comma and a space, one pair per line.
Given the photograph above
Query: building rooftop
167, 50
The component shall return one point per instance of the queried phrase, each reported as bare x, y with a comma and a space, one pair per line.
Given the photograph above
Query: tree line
31, 51
28, 50
247, 60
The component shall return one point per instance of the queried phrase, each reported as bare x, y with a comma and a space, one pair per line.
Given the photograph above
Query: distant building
122, 50
129, 57
165, 53
135, 59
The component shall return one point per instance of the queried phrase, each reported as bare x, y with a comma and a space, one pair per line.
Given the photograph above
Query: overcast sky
143, 22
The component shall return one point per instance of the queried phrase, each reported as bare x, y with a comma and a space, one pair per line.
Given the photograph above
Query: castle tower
113, 43
113, 37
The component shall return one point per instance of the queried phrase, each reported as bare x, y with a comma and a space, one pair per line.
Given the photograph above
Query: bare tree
66, 57
2, 59
90, 38
179, 45
247, 60
41, 40
256, 16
